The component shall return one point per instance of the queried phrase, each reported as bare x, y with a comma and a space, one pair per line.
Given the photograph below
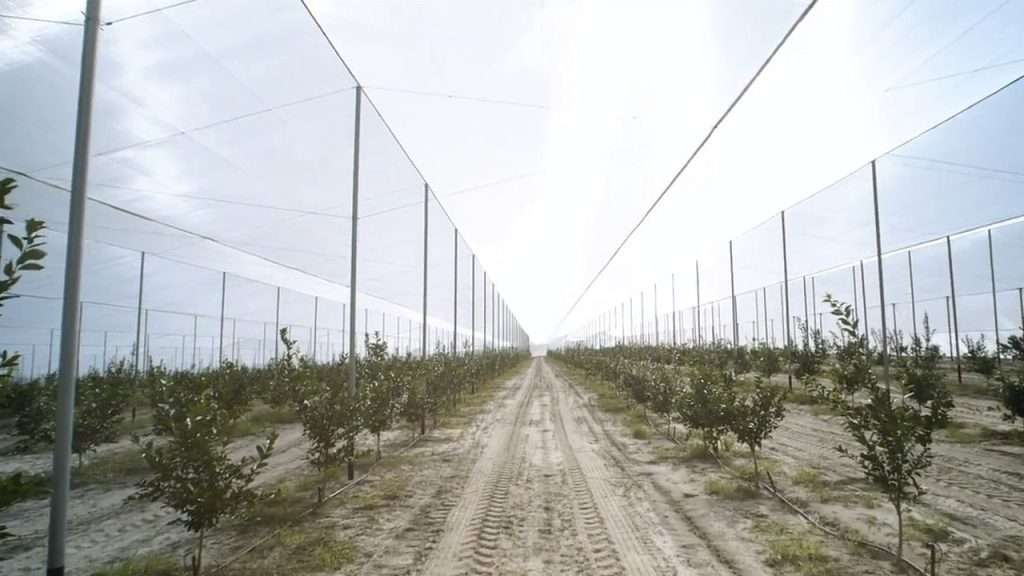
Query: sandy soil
104, 524
973, 490
537, 486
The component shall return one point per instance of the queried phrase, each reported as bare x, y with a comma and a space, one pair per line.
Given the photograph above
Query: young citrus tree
893, 437
893, 448
192, 470
377, 387
977, 357
100, 402
705, 405
755, 416
851, 370
921, 377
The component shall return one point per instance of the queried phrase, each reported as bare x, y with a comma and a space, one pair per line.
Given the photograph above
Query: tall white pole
69, 335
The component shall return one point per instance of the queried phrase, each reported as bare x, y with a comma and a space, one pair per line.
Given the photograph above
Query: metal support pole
485, 312
426, 259
643, 329
138, 312
732, 289
104, 366
472, 306
455, 293
856, 306
785, 281
316, 316
277, 323
223, 293
814, 303
354, 258
807, 324
195, 334
949, 328
764, 301
757, 316
69, 336
700, 339
956, 322
913, 297
995, 302
881, 276
1020, 302
864, 299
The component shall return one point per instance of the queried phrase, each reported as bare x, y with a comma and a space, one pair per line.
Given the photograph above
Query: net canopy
221, 191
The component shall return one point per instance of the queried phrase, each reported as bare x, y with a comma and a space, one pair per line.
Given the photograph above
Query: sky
627, 90
545, 129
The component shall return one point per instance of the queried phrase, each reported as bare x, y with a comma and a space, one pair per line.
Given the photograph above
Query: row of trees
188, 451
717, 390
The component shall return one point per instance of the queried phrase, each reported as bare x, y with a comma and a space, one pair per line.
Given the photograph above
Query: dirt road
539, 488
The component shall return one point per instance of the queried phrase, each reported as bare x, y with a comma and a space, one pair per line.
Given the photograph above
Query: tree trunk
423, 423
378, 446
351, 451
757, 473
899, 531
197, 560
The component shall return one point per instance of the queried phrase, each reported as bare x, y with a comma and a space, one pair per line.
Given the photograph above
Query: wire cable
480, 99
693, 154
147, 12
41, 20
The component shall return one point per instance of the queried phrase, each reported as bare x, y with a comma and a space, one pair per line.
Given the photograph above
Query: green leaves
29, 259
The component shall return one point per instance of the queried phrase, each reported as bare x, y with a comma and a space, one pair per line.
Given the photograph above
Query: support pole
864, 299
952, 299
354, 260
195, 334
785, 282
69, 336
995, 301
316, 316
856, 305
277, 323
1020, 302
138, 312
732, 289
223, 293
913, 297
807, 323
764, 302
814, 304
485, 312
881, 276
455, 293
700, 339
472, 306
426, 258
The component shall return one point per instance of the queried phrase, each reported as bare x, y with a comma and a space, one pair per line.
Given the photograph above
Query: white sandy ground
536, 486
542, 482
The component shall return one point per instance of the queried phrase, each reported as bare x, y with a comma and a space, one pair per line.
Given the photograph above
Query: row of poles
506, 331
611, 325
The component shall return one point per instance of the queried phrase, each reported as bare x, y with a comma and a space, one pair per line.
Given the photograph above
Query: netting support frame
70, 317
